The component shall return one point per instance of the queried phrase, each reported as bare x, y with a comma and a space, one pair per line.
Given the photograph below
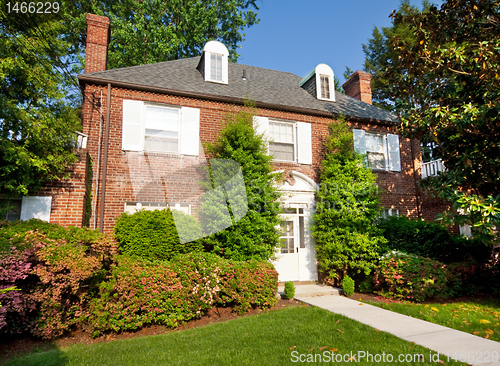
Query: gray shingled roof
262, 85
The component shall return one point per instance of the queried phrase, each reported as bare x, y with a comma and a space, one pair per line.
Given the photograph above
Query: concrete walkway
432, 336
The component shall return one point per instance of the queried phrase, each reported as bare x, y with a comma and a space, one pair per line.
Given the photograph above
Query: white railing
432, 168
81, 140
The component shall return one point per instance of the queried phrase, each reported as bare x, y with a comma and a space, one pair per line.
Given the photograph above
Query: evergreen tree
347, 238
250, 235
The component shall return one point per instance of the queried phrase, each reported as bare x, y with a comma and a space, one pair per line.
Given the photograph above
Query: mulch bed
11, 346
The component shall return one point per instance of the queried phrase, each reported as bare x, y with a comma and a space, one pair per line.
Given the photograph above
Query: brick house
146, 125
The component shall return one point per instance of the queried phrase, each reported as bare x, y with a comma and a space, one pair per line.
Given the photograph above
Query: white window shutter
190, 131
304, 143
36, 208
261, 127
132, 129
359, 141
394, 154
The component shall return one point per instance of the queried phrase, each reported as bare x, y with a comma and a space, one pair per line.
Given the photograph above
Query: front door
292, 259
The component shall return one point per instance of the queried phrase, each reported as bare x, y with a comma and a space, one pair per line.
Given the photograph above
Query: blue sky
297, 35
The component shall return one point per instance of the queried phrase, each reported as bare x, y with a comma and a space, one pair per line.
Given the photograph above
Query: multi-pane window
215, 67
161, 129
376, 150
325, 86
282, 135
13, 211
131, 207
292, 231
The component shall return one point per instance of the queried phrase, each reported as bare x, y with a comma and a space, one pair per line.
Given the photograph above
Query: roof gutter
218, 98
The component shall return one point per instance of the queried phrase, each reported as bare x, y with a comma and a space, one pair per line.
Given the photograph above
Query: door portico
296, 258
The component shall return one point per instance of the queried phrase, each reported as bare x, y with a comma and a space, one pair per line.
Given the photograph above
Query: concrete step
308, 290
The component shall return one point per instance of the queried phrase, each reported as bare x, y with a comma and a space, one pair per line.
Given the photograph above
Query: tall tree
253, 235
380, 56
41, 54
446, 85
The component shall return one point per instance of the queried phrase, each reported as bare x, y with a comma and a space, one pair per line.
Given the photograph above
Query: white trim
218, 48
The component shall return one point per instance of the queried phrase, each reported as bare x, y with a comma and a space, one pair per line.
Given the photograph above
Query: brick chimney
96, 53
359, 87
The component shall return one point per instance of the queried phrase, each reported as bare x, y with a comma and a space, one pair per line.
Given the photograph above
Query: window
13, 207
282, 135
381, 150
376, 151
131, 207
325, 86
386, 212
215, 67
292, 230
161, 129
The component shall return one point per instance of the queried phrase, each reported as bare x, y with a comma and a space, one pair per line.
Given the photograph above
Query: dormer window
325, 86
216, 67
214, 62
319, 83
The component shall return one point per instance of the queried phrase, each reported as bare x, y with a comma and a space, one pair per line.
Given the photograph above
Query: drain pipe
105, 161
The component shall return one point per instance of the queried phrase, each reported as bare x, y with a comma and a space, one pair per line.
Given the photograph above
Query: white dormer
320, 83
213, 63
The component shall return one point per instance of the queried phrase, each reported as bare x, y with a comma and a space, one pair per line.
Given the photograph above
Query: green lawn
265, 339
481, 318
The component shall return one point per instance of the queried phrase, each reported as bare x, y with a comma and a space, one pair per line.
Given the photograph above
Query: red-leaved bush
170, 293
18, 307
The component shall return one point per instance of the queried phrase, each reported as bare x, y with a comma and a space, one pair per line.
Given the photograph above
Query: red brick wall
69, 195
135, 176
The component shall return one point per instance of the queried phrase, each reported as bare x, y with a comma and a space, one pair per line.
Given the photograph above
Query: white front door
295, 253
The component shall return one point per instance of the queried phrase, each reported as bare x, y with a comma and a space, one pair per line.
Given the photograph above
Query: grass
265, 339
481, 318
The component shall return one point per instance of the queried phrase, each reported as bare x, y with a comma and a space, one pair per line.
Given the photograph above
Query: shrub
153, 235
142, 292
55, 277
348, 286
347, 239
18, 308
255, 235
289, 290
431, 240
409, 277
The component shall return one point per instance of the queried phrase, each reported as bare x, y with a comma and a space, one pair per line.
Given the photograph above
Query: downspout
419, 215
105, 161
98, 175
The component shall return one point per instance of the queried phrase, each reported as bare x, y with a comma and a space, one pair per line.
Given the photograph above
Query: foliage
18, 308
37, 123
255, 235
409, 277
428, 239
55, 277
142, 292
41, 54
347, 239
447, 85
380, 55
14, 233
153, 234
478, 317
289, 290
348, 286
67, 274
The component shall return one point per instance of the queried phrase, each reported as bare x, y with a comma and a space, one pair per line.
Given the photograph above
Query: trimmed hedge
142, 292
153, 235
431, 240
